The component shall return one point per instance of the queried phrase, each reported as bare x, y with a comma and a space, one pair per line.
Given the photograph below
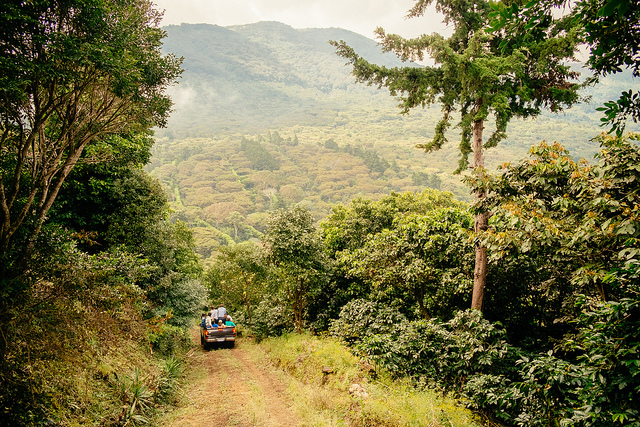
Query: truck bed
221, 336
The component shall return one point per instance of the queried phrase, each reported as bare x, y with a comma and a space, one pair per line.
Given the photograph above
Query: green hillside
265, 75
266, 116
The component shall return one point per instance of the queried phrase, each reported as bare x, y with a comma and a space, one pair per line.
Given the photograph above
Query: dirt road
235, 389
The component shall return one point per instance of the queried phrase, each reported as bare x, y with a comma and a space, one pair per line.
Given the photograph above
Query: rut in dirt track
238, 391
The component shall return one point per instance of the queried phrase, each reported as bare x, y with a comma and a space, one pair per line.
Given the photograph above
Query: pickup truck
225, 336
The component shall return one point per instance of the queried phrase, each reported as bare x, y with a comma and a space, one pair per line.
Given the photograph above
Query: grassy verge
331, 387
92, 376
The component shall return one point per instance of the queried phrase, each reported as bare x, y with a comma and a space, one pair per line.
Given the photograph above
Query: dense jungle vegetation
97, 284
298, 198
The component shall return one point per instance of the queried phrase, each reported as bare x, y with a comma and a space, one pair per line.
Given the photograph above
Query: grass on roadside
331, 387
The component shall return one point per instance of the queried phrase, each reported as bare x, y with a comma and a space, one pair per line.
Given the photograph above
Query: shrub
470, 358
168, 340
272, 317
181, 300
447, 353
360, 319
610, 365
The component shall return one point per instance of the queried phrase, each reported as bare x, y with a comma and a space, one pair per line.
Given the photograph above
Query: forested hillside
311, 211
261, 76
267, 116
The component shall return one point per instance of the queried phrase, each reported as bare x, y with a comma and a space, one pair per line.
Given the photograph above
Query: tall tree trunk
481, 220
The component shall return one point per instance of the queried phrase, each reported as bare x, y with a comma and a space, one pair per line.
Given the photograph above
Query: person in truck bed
222, 312
207, 321
229, 321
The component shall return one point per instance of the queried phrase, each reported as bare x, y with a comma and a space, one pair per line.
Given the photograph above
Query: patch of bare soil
236, 391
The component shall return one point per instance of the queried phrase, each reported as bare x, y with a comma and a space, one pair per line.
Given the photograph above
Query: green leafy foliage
240, 278
470, 357
422, 259
296, 255
360, 319
112, 205
168, 341
446, 353
73, 74
87, 254
610, 30
72, 305
476, 74
610, 360
387, 250
273, 316
581, 216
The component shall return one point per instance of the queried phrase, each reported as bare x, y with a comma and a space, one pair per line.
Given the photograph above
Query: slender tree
239, 275
294, 249
72, 74
477, 74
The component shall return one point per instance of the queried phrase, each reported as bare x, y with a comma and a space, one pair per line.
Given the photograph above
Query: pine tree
479, 75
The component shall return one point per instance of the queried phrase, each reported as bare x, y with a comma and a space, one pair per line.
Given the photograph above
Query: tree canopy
609, 28
294, 248
478, 73
72, 74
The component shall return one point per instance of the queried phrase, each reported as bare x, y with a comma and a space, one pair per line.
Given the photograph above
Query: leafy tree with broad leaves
72, 75
239, 277
294, 250
477, 74
423, 258
348, 229
235, 219
579, 222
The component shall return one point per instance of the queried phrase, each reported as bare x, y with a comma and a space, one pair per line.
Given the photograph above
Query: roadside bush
181, 299
74, 329
272, 317
448, 353
168, 340
470, 358
360, 319
610, 365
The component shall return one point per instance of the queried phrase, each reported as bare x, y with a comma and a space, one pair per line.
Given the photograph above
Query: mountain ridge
263, 75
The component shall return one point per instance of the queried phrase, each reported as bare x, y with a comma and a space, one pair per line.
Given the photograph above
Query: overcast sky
361, 16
